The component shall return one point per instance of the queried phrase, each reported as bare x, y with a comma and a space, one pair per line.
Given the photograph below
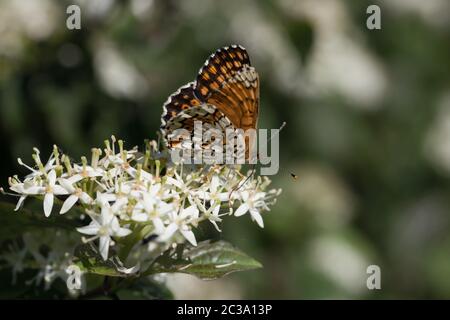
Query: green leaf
90, 260
206, 261
14, 223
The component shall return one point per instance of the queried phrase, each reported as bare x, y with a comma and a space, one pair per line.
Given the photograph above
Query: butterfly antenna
239, 184
276, 133
253, 170
273, 136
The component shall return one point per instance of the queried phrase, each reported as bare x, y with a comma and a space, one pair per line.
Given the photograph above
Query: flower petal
257, 217
68, 204
20, 202
149, 202
75, 178
57, 189
159, 225
104, 246
189, 235
90, 229
164, 208
215, 225
174, 182
85, 198
34, 190
122, 232
216, 209
49, 163
154, 189
243, 208
48, 204
120, 202
51, 177
106, 215
191, 211
214, 184
66, 184
139, 216
170, 230
224, 196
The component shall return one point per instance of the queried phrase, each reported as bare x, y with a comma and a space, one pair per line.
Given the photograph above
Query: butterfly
225, 95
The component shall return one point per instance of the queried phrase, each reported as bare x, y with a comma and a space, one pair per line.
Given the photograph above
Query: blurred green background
367, 112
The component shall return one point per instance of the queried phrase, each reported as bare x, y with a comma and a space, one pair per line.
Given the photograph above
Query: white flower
179, 222
253, 202
51, 190
104, 227
214, 191
42, 169
212, 213
75, 193
129, 192
179, 183
102, 198
20, 202
86, 171
27, 188
151, 208
15, 258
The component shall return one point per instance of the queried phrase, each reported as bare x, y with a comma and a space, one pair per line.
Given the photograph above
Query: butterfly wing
229, 82
181, 110
225, 95
179, 101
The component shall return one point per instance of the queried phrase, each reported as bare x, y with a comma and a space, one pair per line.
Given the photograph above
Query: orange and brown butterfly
224, 95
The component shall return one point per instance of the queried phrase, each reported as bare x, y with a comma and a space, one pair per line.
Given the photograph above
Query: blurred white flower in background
117, 76
341, 261
185, 286
325, 195
141, 8
14, 256
435, 12
95, 9
416, 226
437, 142
53, 265
339, 62
280, 60
36, 20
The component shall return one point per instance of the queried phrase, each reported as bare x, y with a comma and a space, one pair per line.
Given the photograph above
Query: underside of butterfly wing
224, 95
182, 110
228, 82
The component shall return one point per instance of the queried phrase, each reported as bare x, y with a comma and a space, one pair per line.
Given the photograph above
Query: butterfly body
224, 95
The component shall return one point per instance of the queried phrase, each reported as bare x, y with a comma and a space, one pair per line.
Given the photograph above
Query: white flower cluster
129, 194
49, 266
